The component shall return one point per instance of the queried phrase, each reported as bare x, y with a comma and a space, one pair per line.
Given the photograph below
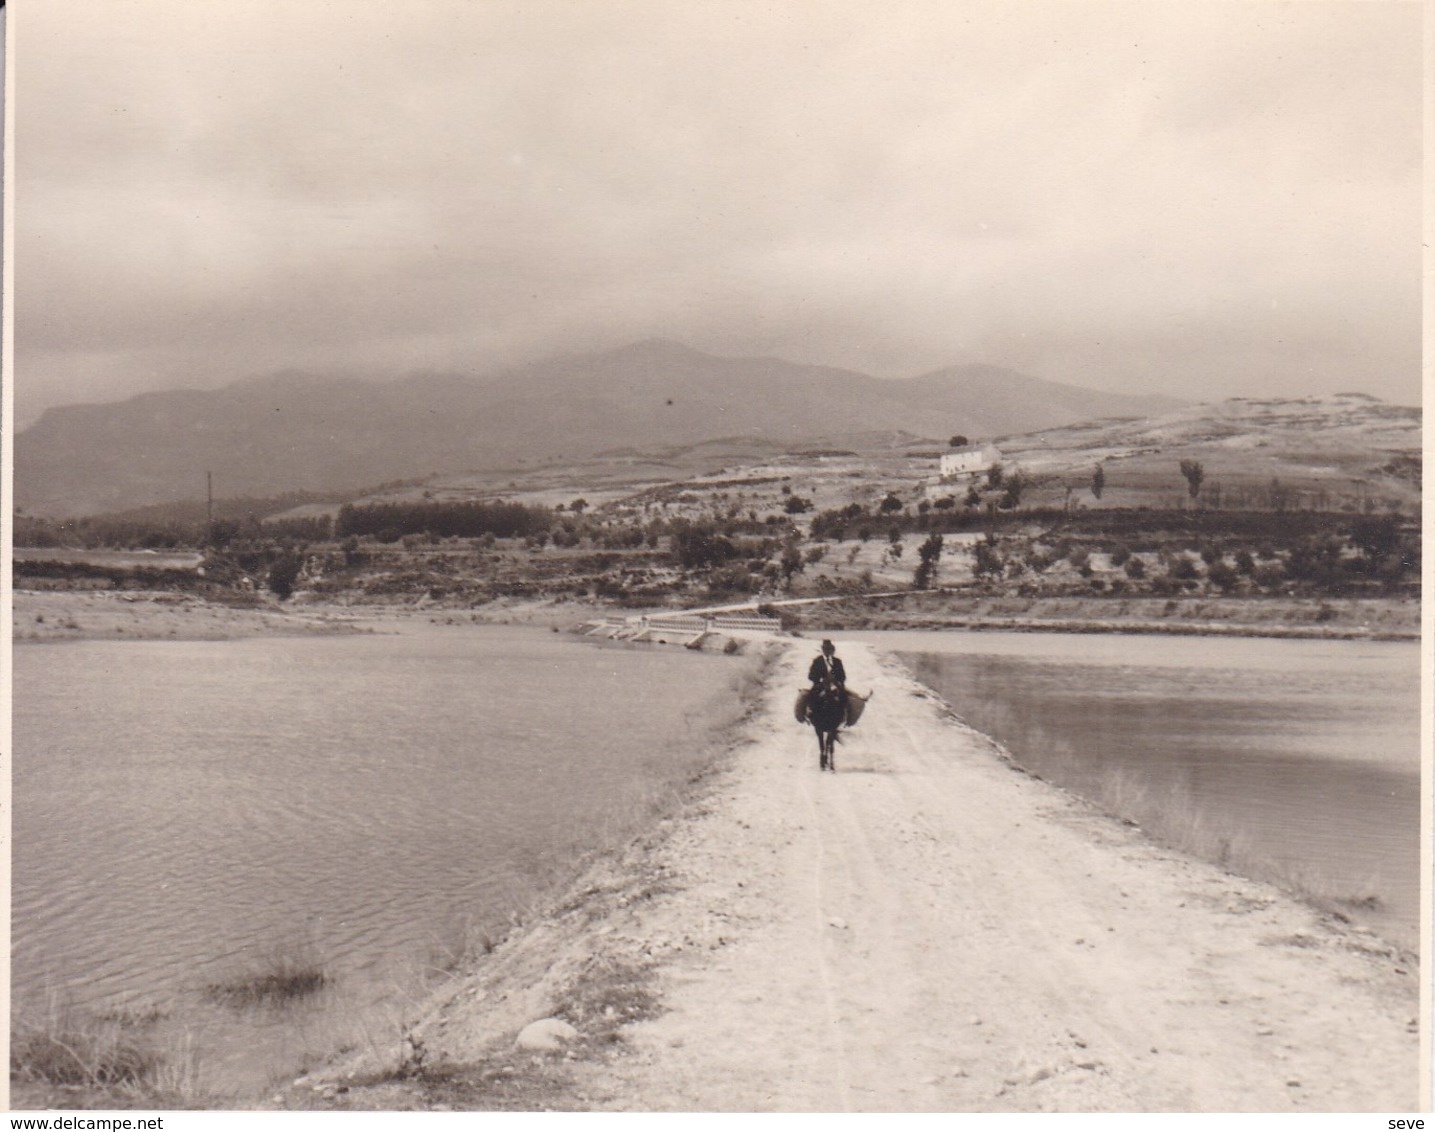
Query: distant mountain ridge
294, 432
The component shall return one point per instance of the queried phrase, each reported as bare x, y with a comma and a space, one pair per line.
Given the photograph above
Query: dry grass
65, 1057
282, 979
1176, 819
83, 1051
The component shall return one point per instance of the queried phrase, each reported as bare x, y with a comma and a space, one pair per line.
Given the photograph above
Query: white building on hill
969, 458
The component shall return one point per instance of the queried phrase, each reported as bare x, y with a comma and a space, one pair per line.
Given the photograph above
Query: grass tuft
67, 1047
285, 979
82, 1057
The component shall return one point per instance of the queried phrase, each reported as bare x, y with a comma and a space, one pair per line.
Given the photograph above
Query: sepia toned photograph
705, 556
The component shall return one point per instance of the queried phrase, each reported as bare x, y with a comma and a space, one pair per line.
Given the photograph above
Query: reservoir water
187, 814
1293, 759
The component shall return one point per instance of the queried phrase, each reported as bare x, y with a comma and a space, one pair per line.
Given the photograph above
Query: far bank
1375, 618
57, 614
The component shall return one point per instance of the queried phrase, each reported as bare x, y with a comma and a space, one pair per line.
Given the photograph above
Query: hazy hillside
1334, 452
292, 432
1330, 454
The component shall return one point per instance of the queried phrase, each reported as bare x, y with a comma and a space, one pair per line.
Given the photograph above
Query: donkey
826, 711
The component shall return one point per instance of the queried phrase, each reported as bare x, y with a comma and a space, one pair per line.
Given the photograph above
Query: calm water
187, 811
1301, 755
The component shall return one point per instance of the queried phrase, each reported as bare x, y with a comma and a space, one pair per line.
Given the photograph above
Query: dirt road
932, 929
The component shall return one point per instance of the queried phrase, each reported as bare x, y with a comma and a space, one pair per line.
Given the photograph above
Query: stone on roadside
546, 1034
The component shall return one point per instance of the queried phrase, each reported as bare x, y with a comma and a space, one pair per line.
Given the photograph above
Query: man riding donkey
827, 705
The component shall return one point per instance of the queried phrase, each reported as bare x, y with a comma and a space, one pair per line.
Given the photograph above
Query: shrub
283, 573
699, 545
988, 560
1195, 473
1224, 576
733, 579
1269, 575
791, 562
930, 552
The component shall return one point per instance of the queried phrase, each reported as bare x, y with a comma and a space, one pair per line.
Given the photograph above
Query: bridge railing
702, 623
678, 623
742, 621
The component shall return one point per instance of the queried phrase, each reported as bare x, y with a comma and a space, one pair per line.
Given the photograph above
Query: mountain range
293, 431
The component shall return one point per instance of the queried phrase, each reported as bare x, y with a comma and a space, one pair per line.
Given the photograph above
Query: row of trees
1370, 553
469, 519
1276, 496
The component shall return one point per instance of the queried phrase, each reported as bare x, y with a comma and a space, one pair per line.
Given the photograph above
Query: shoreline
52, 616
1139, 628
1314, 619
687, 971
42, 616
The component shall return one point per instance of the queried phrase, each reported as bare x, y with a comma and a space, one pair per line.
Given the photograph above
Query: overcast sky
1210, 199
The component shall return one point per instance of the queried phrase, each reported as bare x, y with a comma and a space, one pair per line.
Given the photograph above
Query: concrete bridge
692, 627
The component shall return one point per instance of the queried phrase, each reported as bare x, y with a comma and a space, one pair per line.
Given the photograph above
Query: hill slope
1345, 450
303, 432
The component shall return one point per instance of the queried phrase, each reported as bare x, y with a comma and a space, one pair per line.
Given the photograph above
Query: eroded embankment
1390, 619
159, 616
927, 929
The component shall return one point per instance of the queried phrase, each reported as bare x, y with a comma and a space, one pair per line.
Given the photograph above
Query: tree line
467, 519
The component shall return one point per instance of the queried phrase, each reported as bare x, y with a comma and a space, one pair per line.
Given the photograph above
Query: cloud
1220, 197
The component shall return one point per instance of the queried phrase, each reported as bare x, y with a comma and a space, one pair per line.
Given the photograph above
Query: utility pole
209, 509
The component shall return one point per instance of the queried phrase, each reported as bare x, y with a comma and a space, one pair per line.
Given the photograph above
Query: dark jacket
818, 671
